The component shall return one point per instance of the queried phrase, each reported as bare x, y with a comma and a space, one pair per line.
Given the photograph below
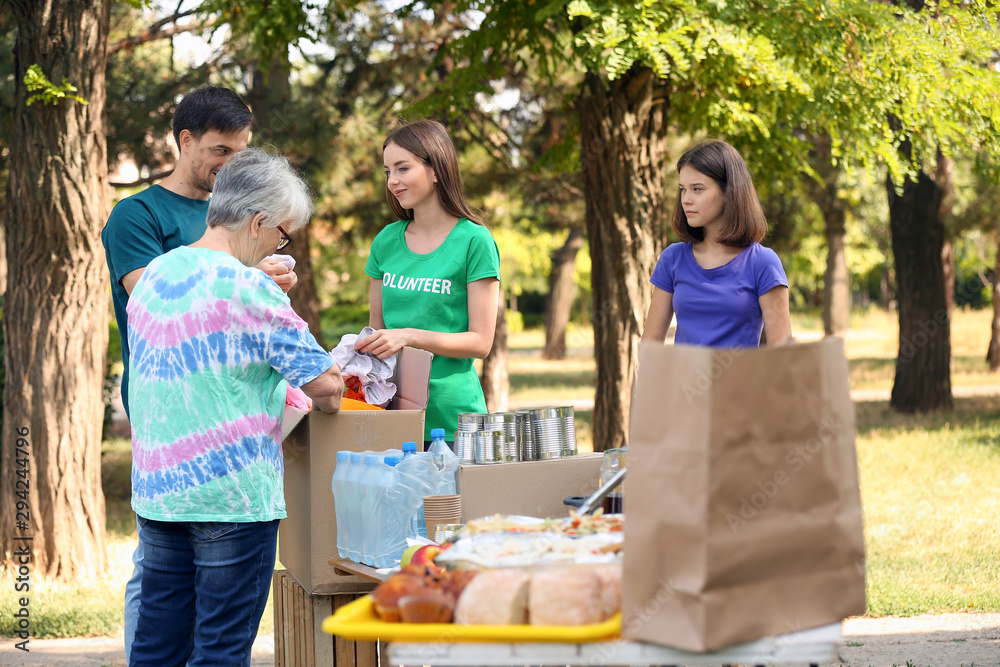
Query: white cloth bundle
373, 372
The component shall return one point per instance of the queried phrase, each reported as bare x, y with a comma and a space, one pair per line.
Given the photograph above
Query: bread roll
565, 597
611, 590
494, 598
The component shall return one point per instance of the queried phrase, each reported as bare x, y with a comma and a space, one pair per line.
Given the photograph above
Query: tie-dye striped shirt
211, 340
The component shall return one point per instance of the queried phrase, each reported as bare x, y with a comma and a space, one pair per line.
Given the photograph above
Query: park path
98, 652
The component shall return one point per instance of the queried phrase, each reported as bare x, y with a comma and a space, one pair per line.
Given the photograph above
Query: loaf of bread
611, 590
565, 597
494, 598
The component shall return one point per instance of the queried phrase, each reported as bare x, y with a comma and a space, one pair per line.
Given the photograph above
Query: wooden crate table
809, 647
344, 566
299, 640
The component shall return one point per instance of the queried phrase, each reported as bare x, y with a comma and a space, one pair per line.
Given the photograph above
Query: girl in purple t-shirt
723, 285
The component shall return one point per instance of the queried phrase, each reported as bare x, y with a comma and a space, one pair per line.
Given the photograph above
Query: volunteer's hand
353, 382
279, 271
383, 343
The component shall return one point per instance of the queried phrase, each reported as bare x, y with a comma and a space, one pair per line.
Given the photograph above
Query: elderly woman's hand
279, 272
327, 390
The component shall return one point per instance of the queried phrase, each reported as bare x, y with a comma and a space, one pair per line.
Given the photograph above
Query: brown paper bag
744, 515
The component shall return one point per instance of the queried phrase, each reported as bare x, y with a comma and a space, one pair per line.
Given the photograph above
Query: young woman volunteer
723, 285
435, 272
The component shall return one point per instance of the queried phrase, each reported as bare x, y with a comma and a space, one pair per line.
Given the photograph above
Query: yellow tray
357, 620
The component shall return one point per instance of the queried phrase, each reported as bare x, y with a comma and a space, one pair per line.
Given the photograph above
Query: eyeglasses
285, 241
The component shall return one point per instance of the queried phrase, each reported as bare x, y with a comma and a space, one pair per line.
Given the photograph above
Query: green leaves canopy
765, 74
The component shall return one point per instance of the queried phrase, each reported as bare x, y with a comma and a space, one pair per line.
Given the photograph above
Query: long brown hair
429, 141
744, 221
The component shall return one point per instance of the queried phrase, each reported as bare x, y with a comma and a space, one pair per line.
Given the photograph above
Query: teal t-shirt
431, 292
140, 229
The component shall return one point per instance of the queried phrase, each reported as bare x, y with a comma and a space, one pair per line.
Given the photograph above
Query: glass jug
613, 461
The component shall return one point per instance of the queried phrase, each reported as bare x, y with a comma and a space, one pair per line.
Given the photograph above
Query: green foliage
762, 75
882, 74
614, 36
338, 320
524, 256
45, 91
975, 259
339, 270
268, 27
143, 85
515, 321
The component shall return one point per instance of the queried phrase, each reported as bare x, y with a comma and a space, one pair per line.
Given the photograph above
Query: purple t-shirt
718, 307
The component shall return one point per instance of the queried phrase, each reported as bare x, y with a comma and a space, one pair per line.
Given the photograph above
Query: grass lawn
930, 484
930, 490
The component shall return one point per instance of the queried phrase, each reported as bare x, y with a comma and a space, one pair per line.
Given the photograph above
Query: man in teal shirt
210, 125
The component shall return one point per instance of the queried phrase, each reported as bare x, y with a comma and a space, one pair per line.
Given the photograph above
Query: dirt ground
945, 640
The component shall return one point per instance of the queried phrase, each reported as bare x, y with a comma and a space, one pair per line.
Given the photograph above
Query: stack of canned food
523, 435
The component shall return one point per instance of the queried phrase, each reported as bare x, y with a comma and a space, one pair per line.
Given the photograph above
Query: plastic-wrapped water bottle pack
378, 497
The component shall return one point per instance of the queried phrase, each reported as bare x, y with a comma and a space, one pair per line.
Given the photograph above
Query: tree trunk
948, 274
837, 280
993, 354
623, 135
304, 297
3, 254
496, 378
923, 366
270, 98
562, 292
944, 177
56, 304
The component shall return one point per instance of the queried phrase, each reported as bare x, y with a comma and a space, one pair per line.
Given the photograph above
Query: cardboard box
529, 488
307, 538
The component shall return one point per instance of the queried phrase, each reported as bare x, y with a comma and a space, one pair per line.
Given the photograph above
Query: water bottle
367, 496
353, 507
445, 461
413, 530
417, 478
392, 519
341, 502
437, 442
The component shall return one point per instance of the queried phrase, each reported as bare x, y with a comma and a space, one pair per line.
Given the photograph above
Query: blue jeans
132, 589
204, 587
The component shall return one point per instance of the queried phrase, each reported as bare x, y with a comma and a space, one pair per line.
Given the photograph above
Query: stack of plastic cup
445, 509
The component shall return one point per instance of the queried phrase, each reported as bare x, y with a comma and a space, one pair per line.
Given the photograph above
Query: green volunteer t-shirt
140, 229
431, 292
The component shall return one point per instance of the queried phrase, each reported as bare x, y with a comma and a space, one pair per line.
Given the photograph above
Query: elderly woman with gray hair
214, 342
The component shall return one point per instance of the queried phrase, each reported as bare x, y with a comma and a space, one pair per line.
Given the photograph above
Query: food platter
573, 525
532, 551
357, 620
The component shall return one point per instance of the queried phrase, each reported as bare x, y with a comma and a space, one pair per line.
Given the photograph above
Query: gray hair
255, 181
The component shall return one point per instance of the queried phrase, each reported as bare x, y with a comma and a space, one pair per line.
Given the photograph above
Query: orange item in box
354, 404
